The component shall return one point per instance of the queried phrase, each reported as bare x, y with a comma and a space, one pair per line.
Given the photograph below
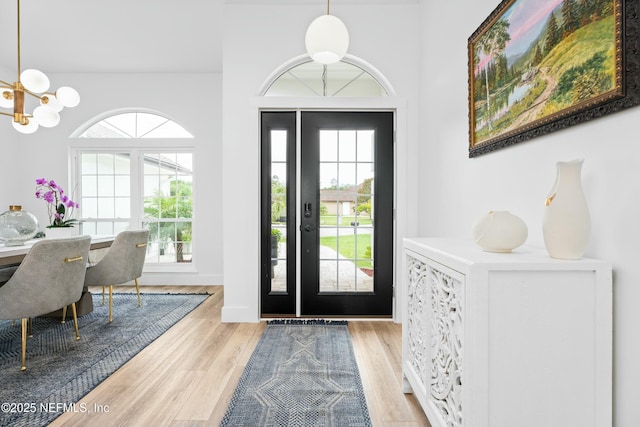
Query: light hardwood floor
188, 375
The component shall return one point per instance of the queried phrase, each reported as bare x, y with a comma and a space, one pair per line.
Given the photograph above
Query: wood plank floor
188, 375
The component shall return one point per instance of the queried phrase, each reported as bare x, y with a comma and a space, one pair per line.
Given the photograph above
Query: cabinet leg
406, 387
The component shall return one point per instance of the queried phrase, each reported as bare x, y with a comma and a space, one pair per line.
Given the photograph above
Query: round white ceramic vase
499, 231
566, 225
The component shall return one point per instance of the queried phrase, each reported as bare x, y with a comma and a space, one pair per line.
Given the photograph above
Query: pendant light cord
18, 41
328, 1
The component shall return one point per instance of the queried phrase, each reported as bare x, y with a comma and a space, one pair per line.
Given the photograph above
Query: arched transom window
136, 125
310, 78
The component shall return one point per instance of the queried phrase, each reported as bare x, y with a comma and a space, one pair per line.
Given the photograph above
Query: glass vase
17, 226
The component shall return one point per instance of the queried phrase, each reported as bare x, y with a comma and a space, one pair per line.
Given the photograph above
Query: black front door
344, 213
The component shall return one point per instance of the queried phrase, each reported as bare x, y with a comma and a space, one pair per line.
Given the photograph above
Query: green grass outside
348, 247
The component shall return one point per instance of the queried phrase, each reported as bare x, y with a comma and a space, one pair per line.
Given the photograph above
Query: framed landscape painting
536, 66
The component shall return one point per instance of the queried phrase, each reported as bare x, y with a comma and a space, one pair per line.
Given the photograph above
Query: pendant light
327, 39
35, 84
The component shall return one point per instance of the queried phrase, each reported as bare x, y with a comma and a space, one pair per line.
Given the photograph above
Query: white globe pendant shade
327, 39
34, 81
28, 128
51, 102
46, 117
68, 96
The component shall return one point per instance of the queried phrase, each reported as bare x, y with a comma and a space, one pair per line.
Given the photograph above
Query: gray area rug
61, 370
302, 373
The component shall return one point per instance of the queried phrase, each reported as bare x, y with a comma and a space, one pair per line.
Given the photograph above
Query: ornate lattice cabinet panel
504, 340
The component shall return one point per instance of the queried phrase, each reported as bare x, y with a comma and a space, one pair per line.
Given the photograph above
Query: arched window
136, 185
351, 77
135, 125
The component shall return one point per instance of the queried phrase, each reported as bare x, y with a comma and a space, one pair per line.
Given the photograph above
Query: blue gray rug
302, 373
61, 370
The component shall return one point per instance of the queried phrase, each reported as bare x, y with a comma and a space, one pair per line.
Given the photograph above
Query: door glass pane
278, 210
346, 231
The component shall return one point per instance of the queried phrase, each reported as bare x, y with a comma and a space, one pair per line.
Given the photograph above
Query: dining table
12, 256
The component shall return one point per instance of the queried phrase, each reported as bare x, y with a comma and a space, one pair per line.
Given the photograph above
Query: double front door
327, 213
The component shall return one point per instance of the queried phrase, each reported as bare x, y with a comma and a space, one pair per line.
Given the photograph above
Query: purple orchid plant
59, 205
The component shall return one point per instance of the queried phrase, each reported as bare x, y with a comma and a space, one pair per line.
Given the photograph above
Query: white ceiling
85, 36
113, 35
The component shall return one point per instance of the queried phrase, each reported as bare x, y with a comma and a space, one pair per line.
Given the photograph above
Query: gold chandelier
35, 84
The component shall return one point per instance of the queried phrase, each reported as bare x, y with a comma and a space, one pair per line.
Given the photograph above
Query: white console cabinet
506, 339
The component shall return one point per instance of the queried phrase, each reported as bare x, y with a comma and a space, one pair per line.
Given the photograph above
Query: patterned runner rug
61, 370
302, 373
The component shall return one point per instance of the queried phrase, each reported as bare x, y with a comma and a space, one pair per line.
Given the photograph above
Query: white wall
258, 39
192, 100
455, 190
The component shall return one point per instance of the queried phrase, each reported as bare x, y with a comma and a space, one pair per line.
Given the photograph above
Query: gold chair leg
75, 320
110, 303
138, 291
103, 295
24, 344
64, 314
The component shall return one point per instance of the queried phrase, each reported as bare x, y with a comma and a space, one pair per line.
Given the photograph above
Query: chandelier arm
6, 114
36, 95
6, 84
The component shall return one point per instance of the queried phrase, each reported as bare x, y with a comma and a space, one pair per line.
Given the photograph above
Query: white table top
14, 254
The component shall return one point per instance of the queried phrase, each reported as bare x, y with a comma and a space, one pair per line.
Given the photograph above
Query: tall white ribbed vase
566, 225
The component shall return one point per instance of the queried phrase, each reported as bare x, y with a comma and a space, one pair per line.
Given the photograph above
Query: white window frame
137, 189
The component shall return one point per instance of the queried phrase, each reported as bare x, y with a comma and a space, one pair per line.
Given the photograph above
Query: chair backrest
123, 261
50, 276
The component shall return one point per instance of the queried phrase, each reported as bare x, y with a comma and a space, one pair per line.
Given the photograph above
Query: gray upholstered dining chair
121, 264
50, 277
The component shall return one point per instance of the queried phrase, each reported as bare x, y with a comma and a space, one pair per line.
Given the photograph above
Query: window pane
122, 186
89, 207
148, 122
365, 145
347, 145
105, 164
106, 208
328, 145
151, 166
185, 163
88, 227
151, 185
169, 130
105, 186
89, 185
278, 145
122, 164
89, 163
122, 207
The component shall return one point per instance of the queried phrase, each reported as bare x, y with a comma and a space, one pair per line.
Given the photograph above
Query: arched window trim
110, 113
348, 58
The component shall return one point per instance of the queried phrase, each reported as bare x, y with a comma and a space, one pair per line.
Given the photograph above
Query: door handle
307, 210
308, 228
